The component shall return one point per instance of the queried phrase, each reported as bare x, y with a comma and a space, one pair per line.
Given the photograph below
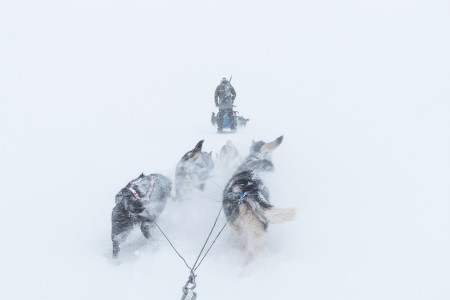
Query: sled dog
241, 121
228, 158
193, 170
246, 200
140, 202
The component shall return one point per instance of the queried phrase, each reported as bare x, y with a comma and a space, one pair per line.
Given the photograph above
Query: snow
93, 93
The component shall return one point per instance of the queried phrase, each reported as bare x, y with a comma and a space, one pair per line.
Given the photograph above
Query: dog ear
269, 147
279, 139
197, 149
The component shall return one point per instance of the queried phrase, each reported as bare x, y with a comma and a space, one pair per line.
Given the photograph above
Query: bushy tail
280, 215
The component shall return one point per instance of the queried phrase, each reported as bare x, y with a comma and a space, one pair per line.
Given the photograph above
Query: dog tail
280, 215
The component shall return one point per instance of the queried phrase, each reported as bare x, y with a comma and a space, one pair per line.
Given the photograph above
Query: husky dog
246, 200
193, 170
139, 203
228, 160
241, 121
228, 152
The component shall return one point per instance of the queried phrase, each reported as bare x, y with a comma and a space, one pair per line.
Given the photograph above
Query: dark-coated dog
193, 170
246, 199
139, 203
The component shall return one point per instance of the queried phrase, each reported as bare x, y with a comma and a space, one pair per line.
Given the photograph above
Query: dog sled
230, 121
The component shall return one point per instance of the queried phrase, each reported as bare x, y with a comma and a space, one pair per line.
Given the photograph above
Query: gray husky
140, 202
246, 199
193, 170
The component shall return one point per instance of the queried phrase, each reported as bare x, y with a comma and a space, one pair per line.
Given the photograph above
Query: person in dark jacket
224, 100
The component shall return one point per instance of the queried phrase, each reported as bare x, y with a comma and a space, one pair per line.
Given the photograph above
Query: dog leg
249, 231
255, 239
254, 244
117, 239
145, 228
116, 248
240, 240
122, 223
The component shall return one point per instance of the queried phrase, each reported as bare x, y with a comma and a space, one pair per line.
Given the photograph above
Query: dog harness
241, 196
145, 186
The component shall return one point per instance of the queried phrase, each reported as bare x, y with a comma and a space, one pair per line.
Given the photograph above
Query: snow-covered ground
92, 93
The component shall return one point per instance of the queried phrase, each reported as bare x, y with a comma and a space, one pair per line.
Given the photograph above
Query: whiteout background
93, 93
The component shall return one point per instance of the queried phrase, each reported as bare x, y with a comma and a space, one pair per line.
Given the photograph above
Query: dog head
135, 193
193, 170
144, 190
262, 149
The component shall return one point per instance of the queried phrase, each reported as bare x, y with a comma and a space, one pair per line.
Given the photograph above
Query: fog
93, 93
